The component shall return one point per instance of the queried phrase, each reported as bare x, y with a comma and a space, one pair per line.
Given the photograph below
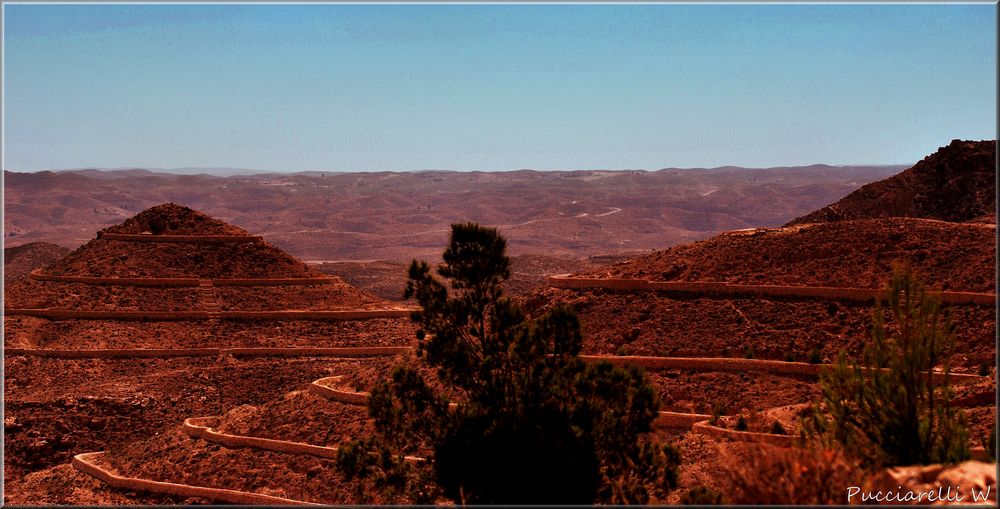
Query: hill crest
253, 264
956, 183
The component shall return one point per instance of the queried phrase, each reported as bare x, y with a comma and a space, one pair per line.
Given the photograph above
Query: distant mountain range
223, 171
399, 215
138, 172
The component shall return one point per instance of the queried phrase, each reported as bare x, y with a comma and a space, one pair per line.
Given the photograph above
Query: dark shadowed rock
956, 183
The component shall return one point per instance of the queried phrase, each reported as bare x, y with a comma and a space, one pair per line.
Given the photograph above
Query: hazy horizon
492, 87
231, 171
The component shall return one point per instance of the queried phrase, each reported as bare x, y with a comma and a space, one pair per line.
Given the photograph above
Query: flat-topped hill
956, 183
858, 253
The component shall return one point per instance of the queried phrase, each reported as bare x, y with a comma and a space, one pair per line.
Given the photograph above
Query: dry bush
701, 495
763, 474
886, 407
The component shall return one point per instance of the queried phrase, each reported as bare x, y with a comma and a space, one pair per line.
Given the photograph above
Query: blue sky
492, 87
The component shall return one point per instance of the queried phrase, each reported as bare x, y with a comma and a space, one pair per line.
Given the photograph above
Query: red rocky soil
399, 216
19, 261
30, 332
700, 391
57, 408
956, 183
647, 323
134, 407
952, 256
28, 293
113, 258
299, 416
331, 297
173, 219
64, 485
175, 457
387, 280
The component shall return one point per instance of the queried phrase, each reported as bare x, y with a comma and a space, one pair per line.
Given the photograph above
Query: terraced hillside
137, 329
846, 256
283, 451
213, 263
752, 353
855, 253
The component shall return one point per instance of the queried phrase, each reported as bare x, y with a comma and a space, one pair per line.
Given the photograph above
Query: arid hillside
399, 216
956, 183
858, 253
388, 279
63, 284
20, 260
234, 290
158, 416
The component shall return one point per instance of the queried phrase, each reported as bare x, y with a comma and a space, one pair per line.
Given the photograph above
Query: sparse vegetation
718, 410
701, 495
533, 424
832, 308
886, 407
798, 476
815, 356
984, 369
777, 429
990, 443
157, 225
749, 354
741, 424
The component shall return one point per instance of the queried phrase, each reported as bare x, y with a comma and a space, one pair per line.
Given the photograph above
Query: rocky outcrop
936, 484
956, 183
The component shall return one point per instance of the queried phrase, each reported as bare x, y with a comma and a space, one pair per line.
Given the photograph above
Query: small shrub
621, 350
887, 408
777, 429
749, 354
770, 475
741, 424
157, 225
815, 356
990, 443
632, 335
701, 495
832, 308
789, 356
984, 369
718, 410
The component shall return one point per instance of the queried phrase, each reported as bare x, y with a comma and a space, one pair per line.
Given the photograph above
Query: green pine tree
532, 423
887, 408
